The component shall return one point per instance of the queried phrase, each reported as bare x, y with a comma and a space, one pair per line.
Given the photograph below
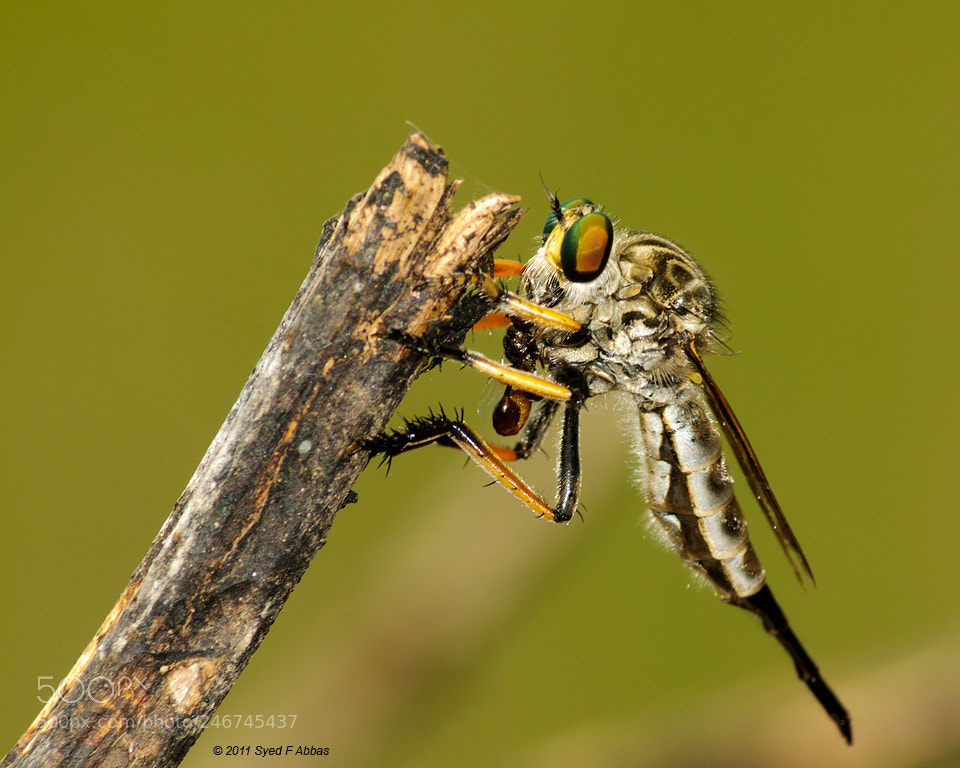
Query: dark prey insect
609, 311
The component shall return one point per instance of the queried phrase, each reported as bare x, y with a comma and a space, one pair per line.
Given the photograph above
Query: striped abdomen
690, 494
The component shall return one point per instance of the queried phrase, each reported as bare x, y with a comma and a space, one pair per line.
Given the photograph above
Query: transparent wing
750, 464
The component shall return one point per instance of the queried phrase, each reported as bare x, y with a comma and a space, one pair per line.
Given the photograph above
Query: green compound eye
586, 247
573, 202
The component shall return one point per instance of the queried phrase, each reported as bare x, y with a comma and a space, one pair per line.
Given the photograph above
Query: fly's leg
507, 306
524, 320
454, 432
510, 306
535, 427
507, 268
568, 465
505, 374
528, 406
568, 471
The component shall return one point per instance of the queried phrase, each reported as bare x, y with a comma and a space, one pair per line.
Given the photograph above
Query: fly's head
575, 253
577, 239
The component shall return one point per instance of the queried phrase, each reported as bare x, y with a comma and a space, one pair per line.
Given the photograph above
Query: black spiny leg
765, 606
531, 438
442, 430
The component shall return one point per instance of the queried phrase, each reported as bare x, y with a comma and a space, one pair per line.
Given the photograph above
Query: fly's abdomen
690, 494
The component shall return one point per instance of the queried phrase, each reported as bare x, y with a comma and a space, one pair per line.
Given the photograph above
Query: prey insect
602, 310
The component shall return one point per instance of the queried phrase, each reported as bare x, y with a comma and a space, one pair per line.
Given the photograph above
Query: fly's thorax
639, 315
663, 276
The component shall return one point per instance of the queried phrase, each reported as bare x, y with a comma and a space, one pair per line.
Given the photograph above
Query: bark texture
260, 504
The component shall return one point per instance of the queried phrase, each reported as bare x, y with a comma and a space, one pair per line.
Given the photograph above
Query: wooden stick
259, 506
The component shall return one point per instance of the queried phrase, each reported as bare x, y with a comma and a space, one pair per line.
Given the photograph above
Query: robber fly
603, 310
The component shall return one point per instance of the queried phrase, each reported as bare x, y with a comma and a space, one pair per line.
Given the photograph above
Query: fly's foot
418, 344
414, 433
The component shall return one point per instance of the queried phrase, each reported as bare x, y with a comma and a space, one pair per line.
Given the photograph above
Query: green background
166, 169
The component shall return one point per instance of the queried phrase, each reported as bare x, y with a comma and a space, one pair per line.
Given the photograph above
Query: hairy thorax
650, 300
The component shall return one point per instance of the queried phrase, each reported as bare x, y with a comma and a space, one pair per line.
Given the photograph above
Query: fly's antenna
554, 200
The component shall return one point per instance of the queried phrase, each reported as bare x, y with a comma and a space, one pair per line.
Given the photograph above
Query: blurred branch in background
909, 705
260, 504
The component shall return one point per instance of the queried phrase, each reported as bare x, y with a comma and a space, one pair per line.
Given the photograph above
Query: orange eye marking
593, 248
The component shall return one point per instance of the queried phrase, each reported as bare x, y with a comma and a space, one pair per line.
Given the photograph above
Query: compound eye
586, 247
564, 206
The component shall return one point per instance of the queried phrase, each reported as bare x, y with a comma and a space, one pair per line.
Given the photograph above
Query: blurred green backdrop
166, 169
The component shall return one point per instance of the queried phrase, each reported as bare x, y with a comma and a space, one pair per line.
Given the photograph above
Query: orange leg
455, 433
492, 321
505, 374
512, 305
507, 268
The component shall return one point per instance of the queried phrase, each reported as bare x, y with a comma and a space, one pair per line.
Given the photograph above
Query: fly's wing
750, 464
